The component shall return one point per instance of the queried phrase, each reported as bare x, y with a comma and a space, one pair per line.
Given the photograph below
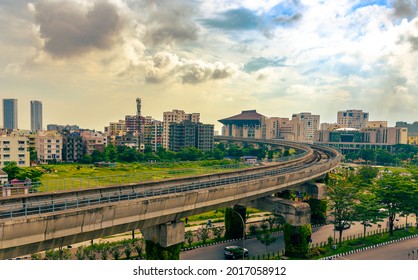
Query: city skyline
87, 61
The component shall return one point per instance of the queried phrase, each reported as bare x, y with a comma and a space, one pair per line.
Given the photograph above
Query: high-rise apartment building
48, 146
190, 134
72, 146
176, 116
153, 133
10, 113
35, 115
310, 124
353, 118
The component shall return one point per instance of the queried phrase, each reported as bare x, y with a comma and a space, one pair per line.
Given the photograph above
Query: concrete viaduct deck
37, 222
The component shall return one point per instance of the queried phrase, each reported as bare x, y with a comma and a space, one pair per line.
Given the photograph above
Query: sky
88, 60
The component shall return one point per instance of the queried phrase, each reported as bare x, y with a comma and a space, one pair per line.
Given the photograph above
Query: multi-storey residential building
248, 124
48, 146
127, 139
176, 116
353, 118
10, 114
190, 134
153, 133
305, 125
93, 141
72, 150
35, 115
204, 136
116, 128
14, 148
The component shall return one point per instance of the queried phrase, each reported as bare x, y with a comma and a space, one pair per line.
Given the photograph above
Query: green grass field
73, 176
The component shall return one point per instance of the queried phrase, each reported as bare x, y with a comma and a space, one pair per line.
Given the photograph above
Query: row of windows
8, 142
9, 156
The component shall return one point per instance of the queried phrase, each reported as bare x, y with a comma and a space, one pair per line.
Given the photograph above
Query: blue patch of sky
258, 63
361, 4
285, 12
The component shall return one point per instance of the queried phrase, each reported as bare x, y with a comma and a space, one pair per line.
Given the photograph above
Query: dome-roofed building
248, 124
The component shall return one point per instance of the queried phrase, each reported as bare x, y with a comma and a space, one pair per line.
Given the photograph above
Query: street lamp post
243, 232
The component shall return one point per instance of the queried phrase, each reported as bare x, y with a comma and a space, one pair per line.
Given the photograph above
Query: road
401, 250
319, 234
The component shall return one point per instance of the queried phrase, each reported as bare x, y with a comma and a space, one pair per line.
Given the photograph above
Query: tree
128, 251
110, 153
367, 210
12, 170
265, 237
342, 193
115, 252
396, 193
97, 156
367, 174
202, 234
217, 232
189, 236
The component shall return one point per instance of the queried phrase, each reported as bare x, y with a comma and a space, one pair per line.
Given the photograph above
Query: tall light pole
243, 232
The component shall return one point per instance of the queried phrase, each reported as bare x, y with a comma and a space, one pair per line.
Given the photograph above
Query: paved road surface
395, 251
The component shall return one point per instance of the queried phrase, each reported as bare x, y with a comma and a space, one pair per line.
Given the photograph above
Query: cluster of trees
15, 172
127, 154
367, 198
400, 153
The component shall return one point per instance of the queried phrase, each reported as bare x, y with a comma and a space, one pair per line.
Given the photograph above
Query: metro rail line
24, 206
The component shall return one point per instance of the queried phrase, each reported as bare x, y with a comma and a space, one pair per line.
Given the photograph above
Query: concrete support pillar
297, 230
163, 242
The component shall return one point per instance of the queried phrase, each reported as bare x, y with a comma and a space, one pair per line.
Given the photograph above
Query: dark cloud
171, 22
259, 63
69, 30
164, 66
414, 43
196, 73
405, 8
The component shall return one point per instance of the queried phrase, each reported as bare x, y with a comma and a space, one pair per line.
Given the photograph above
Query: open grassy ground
71, 176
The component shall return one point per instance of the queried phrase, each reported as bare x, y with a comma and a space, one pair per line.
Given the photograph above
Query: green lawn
71, 176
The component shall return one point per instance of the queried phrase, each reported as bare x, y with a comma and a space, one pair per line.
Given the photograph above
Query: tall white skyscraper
35, 115
10, 113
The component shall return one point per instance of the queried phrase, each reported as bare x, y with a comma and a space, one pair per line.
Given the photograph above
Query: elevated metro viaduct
37, 222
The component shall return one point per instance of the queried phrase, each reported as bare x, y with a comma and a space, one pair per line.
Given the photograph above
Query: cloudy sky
88, 60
